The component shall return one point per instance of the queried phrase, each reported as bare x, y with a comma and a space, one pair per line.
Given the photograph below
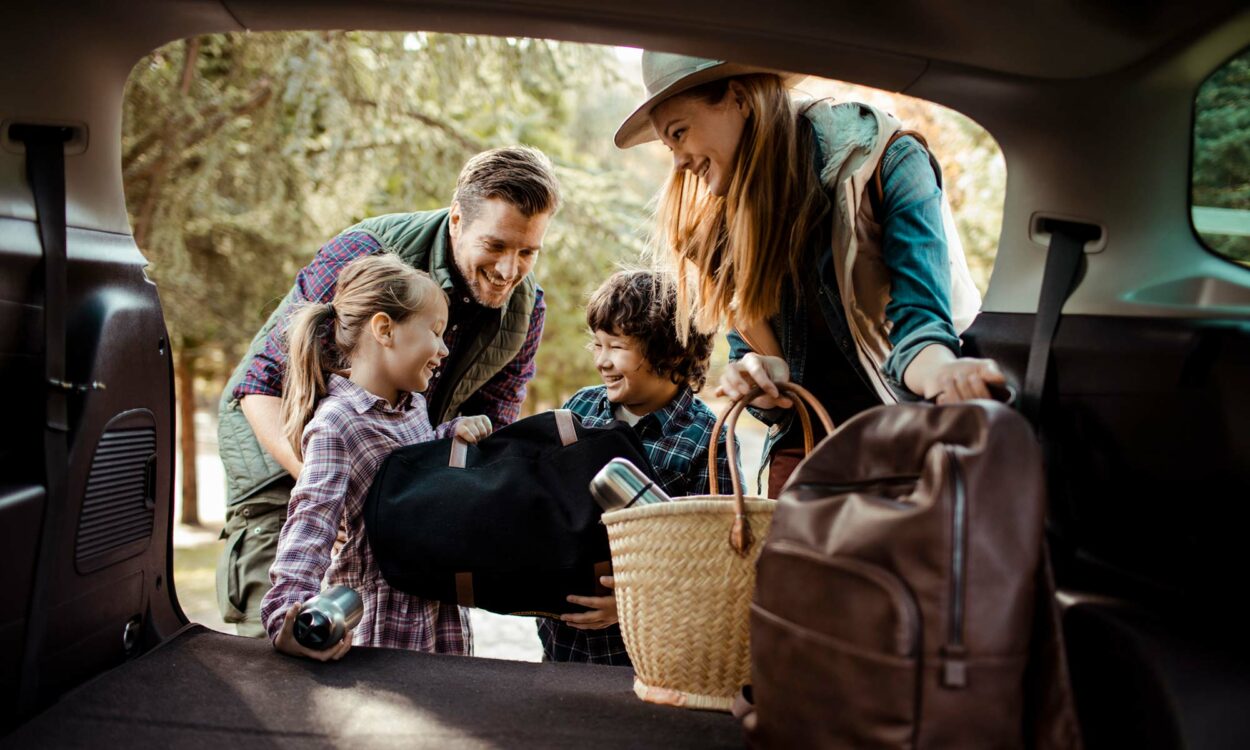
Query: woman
763, 188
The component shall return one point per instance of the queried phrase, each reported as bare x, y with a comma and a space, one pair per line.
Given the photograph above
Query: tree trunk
184, 374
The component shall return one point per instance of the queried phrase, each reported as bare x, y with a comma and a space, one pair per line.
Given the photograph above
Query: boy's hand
473, 429
602, 609
741, 377
286, 643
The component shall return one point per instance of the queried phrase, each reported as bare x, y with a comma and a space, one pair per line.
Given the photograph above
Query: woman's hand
286, 643
742, 377
938, 375
602, 609
963, 380
473, 429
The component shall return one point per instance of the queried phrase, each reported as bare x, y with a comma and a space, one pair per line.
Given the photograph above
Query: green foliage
1221, 175
245, 152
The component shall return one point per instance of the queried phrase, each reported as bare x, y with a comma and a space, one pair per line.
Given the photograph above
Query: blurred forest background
1221, 179
244, 153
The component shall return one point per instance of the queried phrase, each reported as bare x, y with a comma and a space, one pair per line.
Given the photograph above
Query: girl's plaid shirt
344, 445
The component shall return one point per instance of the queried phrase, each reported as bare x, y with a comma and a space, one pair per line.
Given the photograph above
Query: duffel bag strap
464, 589
565, 427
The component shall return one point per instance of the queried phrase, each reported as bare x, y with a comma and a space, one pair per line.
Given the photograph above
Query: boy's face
628, 375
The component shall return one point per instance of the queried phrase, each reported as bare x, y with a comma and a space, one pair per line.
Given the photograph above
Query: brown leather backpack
903, 597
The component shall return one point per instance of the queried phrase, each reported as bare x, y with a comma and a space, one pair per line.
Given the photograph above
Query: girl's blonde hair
731, 255
366, 286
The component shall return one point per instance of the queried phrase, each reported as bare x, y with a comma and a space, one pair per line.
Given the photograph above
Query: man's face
497, 249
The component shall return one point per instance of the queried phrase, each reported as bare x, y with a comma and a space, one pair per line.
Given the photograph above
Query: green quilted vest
421, 240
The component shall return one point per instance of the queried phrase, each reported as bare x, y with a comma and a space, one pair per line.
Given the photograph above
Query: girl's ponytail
305, 384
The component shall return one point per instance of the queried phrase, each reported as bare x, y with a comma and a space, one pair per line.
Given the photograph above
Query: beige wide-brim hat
666, 74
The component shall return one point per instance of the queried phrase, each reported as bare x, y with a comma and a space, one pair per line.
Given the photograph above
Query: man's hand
285, 642
741, 377
602, 609
264, 414
473, 429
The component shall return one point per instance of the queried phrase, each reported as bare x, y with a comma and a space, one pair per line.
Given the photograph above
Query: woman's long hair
732, 254
366, 286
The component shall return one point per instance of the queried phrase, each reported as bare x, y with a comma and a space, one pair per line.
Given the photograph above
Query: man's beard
478, 289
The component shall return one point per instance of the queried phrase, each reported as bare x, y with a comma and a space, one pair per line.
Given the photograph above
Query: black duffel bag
507, 525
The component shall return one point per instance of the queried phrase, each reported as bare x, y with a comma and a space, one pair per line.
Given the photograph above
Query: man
481, 251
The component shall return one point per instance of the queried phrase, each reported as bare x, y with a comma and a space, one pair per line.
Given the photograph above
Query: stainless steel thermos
620, 484
323, 619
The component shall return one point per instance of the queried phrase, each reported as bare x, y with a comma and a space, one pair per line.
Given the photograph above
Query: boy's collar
678, 405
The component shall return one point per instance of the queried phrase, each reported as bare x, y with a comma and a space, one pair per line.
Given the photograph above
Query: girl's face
704, 137
628, 375
417, 348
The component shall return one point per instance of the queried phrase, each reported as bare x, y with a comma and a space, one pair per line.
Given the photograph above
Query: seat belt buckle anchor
68, 387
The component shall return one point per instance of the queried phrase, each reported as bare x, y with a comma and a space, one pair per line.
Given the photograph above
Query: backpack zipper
954, 666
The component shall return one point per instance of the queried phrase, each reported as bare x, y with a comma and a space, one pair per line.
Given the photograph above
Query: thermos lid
618, 484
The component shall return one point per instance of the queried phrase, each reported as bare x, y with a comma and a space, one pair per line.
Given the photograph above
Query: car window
1221, 166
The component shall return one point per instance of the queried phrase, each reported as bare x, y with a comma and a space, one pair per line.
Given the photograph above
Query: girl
386, 323
829, 276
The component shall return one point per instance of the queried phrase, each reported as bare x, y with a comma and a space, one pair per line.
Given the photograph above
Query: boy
649, 380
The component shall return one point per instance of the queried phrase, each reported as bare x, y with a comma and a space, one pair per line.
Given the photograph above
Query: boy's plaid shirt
676, 439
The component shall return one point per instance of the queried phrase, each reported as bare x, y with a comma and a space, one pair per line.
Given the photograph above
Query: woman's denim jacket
913, 248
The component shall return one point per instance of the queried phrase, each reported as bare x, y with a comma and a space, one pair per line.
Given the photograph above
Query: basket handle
740, 533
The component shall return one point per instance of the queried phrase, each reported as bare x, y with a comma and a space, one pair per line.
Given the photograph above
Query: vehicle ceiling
1057, 39
1023, 70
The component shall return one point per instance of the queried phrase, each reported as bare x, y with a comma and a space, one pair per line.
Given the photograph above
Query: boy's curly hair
643, 306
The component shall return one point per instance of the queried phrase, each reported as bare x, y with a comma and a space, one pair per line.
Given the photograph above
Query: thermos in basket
324, 619
620, 484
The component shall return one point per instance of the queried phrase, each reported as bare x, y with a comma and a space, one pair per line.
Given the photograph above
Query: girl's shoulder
332, 413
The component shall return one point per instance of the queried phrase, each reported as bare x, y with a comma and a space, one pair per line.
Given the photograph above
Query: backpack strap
876, 189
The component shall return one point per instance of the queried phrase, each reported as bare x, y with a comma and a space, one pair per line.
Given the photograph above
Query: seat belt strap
45, 168
1063, 263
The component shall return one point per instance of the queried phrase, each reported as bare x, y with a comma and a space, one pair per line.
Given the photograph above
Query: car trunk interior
1144, 427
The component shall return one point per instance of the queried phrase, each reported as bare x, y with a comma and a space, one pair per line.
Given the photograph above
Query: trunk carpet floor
204, 689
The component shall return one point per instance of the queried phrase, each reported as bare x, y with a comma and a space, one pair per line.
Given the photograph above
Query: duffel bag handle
565, 428
740, 533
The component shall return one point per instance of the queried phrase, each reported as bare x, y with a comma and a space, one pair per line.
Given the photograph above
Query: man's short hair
643, 306
520, 175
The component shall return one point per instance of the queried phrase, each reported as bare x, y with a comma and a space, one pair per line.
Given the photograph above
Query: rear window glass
1221, 178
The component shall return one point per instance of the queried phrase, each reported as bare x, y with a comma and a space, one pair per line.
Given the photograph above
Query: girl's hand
602, 609
741, 377
473, 429
962, 380
286, 643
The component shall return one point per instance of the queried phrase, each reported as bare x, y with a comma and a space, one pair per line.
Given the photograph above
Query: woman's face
703, 136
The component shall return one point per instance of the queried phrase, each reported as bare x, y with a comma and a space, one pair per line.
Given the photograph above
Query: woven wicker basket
685, 574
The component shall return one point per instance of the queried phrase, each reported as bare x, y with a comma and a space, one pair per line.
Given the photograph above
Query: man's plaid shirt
500, 398
676, 439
